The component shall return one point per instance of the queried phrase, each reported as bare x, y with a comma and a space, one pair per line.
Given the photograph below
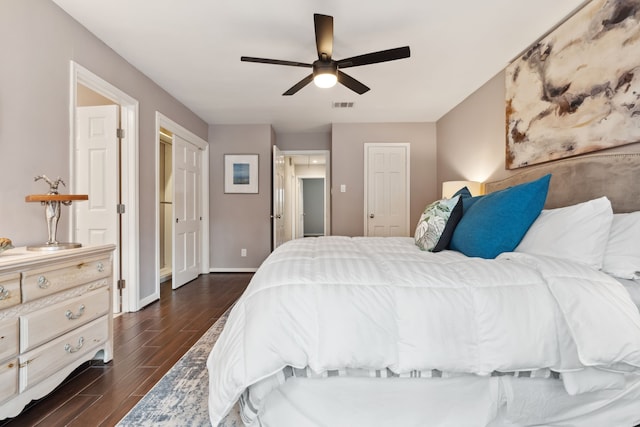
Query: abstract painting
240, 173
576, 90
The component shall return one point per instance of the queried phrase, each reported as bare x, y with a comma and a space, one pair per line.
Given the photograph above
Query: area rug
180, 397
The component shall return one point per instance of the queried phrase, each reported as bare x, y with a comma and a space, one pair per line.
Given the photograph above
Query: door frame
278, 195
327, 181
365, 211
203, 146
300, 195
129, 222
298, 210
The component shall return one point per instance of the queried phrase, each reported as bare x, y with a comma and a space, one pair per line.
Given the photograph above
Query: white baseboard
165, 275
232, 270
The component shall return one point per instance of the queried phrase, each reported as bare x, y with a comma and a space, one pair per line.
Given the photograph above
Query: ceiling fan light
325, 80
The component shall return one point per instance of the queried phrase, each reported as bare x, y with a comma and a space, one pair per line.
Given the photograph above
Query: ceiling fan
326, 70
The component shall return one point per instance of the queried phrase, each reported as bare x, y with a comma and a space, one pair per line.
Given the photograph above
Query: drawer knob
43, 283
4, 293
69, 349
100, 267
71, 315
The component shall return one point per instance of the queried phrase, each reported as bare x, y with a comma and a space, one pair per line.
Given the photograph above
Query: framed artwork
241, 173
577, 90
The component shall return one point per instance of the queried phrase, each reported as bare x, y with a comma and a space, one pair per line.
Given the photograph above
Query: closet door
187, 160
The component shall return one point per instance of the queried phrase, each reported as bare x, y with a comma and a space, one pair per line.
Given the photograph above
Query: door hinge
122, 284
120, 133
120, 209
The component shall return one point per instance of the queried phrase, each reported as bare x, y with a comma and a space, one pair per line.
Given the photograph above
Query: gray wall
304, 141
37, 42
347, 167
471, 137
239, 220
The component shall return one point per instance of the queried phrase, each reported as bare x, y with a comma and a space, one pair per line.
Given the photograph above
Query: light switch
343, 188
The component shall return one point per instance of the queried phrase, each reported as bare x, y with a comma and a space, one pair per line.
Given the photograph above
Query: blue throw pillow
463, 193
467, 198
496, 222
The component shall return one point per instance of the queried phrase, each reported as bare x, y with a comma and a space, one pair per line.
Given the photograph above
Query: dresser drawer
38, 283
8, 338
8, 379
45, 324
47, 359
9, 290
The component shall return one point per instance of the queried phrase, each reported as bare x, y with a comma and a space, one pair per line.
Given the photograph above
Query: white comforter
375, 303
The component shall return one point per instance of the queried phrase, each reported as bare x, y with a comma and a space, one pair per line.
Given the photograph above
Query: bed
362, 331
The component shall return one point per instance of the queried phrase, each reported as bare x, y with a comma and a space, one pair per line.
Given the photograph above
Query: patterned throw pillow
437, 223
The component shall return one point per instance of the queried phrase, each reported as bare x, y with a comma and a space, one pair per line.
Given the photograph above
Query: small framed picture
241, 173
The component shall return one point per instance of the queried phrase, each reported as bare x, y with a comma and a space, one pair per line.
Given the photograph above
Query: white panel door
387, 190
278, 198
186, 211
96, 174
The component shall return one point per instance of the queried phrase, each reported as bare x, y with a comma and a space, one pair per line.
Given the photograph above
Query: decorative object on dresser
55, 314
5, 243
51, 202
576, 90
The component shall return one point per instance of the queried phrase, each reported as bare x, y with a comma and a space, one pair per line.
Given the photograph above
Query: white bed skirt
459, 401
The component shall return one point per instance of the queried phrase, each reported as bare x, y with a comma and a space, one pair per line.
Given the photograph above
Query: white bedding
633, 287
469, 401
376, 303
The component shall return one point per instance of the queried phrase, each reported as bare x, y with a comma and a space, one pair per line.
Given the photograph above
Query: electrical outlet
243, 252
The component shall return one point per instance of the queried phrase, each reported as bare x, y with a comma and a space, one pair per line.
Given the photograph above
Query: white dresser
55, 314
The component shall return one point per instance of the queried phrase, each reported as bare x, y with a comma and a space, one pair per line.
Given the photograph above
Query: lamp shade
449, 188
325, 80
325, 73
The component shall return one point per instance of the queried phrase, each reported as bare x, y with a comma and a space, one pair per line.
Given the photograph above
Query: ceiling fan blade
352, 83
375, 57
296, 87
274, 61
324, 35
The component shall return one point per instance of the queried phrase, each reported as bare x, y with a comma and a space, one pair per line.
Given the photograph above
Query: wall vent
343, 105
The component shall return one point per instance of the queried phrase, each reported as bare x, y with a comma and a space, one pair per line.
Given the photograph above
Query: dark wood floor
147, 344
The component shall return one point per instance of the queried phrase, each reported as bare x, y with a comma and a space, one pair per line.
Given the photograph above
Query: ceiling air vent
343, 105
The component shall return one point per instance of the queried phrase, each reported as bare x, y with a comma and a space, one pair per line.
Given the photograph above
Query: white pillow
579, 232
622, 254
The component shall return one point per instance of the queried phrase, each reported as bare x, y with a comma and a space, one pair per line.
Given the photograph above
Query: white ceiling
192, 49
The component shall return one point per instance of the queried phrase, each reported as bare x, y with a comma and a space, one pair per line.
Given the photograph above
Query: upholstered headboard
579, 179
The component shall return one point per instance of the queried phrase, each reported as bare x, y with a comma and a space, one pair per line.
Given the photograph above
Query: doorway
118, 205
302, 165
312, 193
165, 180
182, 204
